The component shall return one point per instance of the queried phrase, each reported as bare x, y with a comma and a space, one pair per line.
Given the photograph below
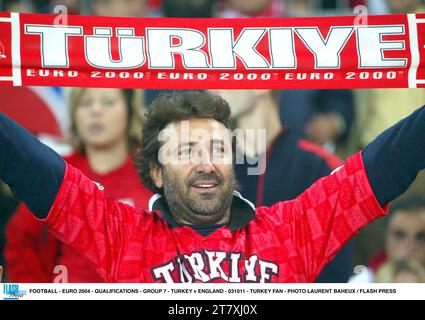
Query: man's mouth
205, 185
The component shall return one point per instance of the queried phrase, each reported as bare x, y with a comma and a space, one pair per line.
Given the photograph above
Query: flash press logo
12, 292
2, 51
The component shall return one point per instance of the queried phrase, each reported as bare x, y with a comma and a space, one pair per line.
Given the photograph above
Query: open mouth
204, 186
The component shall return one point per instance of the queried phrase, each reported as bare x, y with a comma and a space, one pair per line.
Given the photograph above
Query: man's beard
190, 207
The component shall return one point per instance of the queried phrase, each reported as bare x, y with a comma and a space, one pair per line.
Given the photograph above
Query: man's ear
156, 175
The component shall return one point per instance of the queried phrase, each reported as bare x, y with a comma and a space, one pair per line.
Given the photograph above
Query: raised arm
321, 220
393, 160
33, 171
74, 208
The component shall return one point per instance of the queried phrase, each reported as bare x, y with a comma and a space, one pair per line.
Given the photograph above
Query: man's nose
204, 162
410, 244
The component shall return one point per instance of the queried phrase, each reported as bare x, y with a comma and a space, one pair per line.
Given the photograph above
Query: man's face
403, 6
197, 171
406, 236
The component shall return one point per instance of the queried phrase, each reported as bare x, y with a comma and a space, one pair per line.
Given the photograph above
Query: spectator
322, 116
405, 271
72, 6
120, 8
19, 6
405, 6
105, 131
291, 163
300, 8
377, 110
188, 8
253, 9
377, 7
405, 236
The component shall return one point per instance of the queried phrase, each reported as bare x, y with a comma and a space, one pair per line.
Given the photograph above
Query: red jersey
32, 252
288, 242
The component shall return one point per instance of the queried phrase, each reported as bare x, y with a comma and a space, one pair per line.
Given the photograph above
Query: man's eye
421, 236
218, 149
184, 152
400, 234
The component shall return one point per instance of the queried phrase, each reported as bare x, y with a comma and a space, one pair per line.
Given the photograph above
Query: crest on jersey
99, 186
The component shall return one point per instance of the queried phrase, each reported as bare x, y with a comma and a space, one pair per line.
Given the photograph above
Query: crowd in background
309, 128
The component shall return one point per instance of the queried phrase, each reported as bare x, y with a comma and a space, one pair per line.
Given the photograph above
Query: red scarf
286, 53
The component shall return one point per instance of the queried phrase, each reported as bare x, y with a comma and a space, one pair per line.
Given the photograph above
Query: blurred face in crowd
298, 8
120, 8
403, 6
196, 171
70, 4
240, 101
406, 236
21, 7
250, 6
101, 118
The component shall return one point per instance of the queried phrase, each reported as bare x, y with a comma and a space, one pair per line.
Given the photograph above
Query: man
404, 242
405, 236
201, 229
290, 163
377, 110
105, 132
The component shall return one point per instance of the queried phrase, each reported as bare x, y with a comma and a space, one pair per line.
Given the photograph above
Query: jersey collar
242, 211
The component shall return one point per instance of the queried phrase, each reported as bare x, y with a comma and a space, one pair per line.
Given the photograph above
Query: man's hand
1, 274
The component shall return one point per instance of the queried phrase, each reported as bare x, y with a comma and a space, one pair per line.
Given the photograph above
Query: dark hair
169, 108
409, 205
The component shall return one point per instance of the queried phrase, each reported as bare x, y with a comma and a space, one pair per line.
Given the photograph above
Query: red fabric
30, 109
212, 54
331, 159
32, 252
288, 242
